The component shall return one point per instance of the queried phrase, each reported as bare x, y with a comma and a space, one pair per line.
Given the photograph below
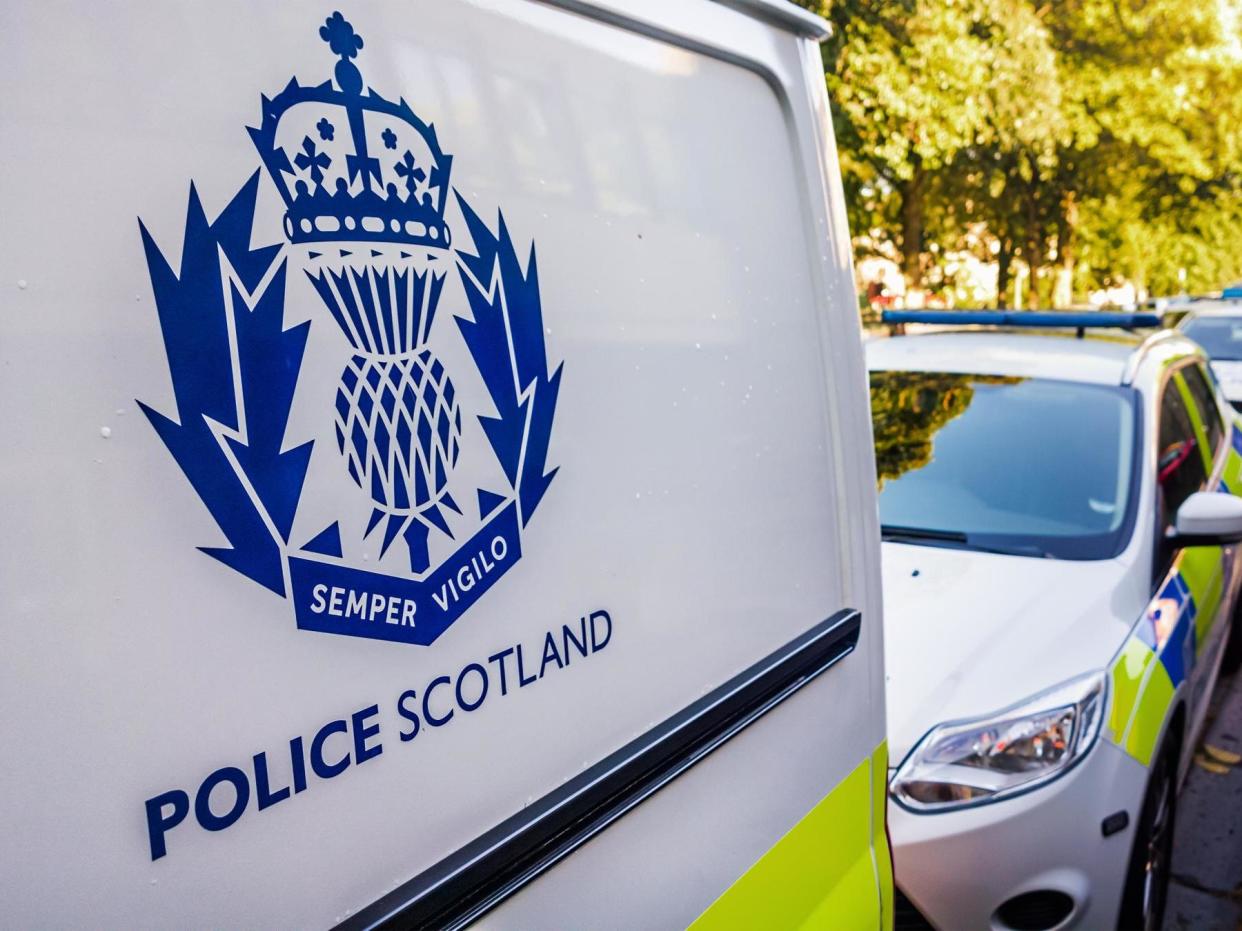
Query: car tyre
1233, 648
1151, 859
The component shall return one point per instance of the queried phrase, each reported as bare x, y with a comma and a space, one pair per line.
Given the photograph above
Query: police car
1059, 522
1216, 325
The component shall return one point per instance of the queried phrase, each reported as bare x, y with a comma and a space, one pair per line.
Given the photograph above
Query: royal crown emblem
364, 179
366, 191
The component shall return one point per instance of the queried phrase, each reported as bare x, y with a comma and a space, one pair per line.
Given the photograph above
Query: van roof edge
784, 13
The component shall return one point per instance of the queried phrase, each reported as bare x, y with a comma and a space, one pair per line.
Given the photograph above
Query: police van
438, 486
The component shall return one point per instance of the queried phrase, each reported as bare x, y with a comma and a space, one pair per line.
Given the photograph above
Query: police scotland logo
440, 491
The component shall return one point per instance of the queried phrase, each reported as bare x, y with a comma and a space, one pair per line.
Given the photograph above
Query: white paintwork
1096, 358
1229, 375
1210, 514
1228, 372
715, 491
969, 634
975, 632
958, 867
1213, 307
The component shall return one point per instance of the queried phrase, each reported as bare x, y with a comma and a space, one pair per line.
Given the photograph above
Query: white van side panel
667, 861
711, 446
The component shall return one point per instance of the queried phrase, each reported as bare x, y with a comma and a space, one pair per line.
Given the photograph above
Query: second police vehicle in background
1059, 518
1215, 323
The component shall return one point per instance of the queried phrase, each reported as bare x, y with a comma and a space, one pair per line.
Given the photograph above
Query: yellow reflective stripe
1201, 566
1201, 570
1233, 472
820, 874
1128, 672
1233, 464
1196, 420
1153, 708
1141, 695
879, 836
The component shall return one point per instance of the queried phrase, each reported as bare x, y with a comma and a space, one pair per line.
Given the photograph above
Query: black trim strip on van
476, 878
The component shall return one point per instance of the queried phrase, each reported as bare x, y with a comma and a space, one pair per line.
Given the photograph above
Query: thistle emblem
365, 188
365, 192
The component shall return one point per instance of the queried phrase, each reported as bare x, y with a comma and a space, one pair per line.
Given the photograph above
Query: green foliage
1154, 91
1091, 140
908, 409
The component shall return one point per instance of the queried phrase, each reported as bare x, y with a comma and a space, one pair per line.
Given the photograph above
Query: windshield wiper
895, 532
898, 534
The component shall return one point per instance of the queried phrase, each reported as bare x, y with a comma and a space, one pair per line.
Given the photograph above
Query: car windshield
1027, 466
1220, 336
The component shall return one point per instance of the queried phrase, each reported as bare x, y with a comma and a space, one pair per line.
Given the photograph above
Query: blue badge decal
443, 491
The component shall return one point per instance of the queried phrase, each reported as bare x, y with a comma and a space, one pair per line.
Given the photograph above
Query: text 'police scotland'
229, 792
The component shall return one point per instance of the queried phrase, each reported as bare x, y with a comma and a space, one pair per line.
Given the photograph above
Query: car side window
1180, 471
1205, 399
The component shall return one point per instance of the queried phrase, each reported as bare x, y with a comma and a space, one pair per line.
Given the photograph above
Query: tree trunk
1031, 256
1063, 293
1004, 269
1063, 288
912, 193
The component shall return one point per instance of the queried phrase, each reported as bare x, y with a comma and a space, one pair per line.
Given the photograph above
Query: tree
1152, 99
914, 84
1087, 140
908, 409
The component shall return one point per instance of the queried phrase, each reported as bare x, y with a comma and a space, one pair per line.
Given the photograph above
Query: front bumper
959, 867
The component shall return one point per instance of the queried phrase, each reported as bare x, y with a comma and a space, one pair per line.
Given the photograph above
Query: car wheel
1147, 878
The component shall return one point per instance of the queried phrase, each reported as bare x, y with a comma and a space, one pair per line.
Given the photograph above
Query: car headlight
1014, 751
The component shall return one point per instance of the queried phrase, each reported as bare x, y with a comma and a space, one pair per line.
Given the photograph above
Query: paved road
1207, 859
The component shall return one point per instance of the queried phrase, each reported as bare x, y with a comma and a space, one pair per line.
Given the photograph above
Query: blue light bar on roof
1023, 318
1234, 291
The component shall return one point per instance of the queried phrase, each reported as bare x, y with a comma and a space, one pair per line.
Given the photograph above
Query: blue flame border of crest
234, 370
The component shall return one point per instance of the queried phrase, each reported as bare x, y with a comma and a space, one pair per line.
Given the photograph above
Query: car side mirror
1208, 518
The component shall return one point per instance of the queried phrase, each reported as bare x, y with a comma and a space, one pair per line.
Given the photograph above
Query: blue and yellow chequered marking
1232, 477
1156, 659
1164, 646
